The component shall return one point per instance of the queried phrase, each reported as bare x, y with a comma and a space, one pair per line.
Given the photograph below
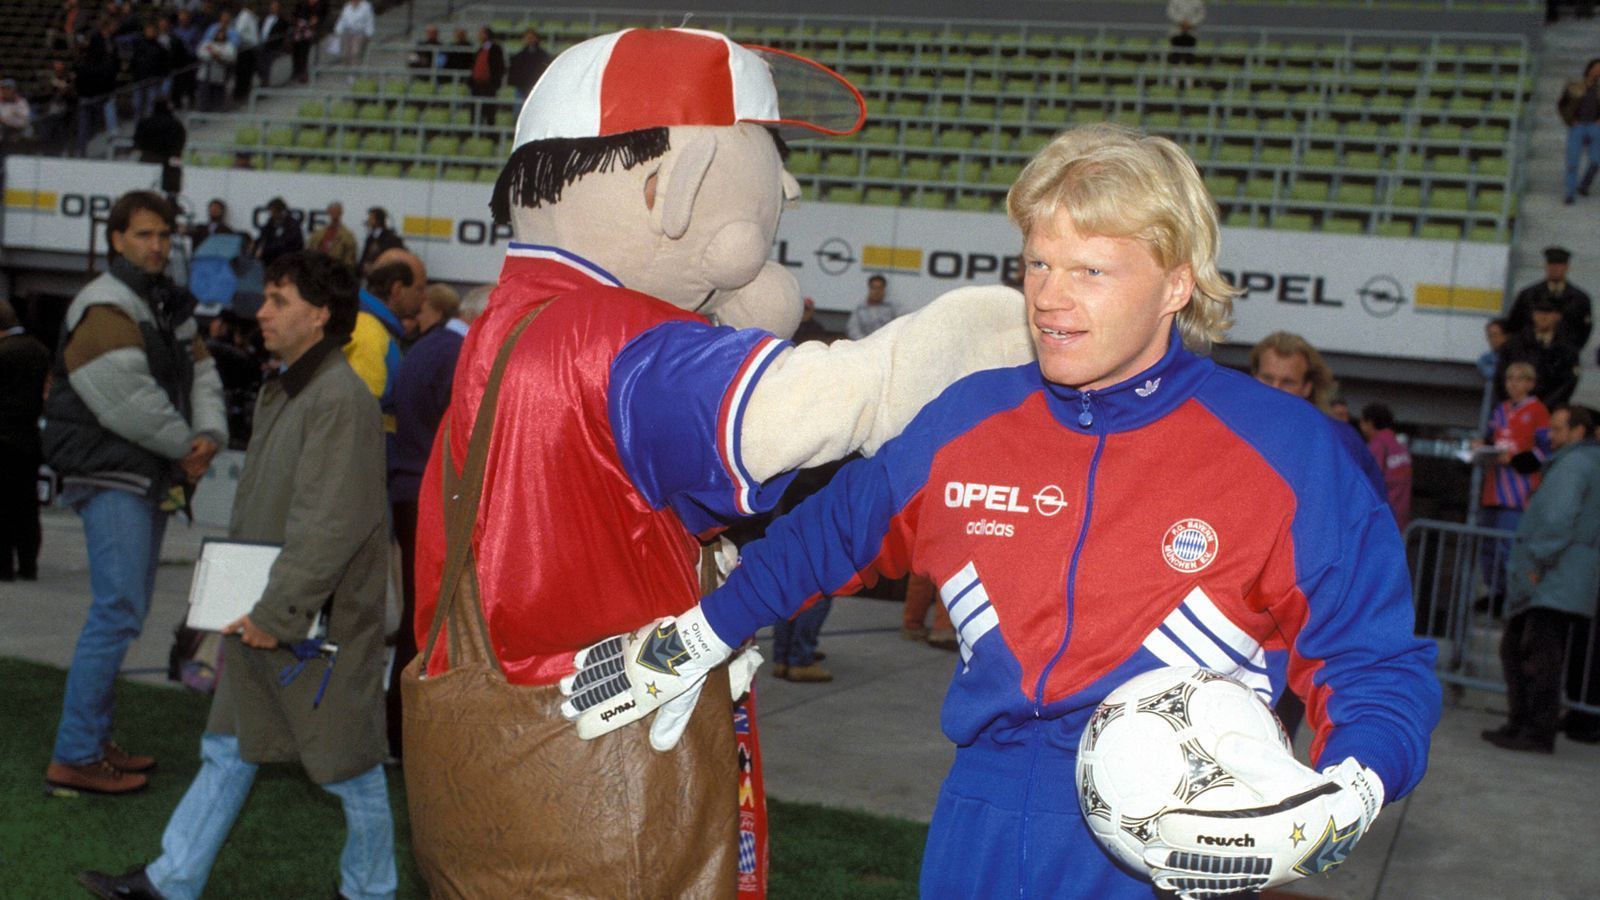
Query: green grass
287, 841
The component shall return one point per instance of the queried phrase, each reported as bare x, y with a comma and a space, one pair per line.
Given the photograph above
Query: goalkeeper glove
662, 666
1306, 823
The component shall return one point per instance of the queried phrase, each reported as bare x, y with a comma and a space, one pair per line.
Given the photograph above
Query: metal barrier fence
1457, 578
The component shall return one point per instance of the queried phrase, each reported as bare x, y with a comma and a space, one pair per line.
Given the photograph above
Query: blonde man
1288, 362
1079, 516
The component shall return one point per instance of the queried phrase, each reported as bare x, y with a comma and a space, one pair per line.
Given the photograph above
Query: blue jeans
1493, 554
206, 814
794, 641
1583, 133
124, 537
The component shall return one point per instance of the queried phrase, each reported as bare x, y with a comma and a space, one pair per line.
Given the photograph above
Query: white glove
1307, 823
624, 678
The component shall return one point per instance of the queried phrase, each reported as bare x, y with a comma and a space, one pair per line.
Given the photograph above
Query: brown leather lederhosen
506, 801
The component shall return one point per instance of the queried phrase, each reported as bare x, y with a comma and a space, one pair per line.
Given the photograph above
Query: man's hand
250, 634
1306, 823
201, 450
624, 678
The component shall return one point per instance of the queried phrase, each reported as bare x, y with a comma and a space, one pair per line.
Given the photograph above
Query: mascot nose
735, 254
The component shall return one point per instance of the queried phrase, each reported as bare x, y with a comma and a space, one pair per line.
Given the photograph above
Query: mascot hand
1306, 823
624, 678
673, 716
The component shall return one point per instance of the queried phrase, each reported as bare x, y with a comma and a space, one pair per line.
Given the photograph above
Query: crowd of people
481, 62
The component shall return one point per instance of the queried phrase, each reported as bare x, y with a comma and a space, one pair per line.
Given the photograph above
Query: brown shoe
812, 674
779, 670
943, 639
96, 778
127, 762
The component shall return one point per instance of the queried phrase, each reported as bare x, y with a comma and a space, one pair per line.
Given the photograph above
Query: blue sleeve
676, 401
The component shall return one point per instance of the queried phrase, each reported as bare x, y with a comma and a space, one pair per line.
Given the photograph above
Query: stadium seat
1343, 225
1407, 196
372, 112
310, 138
311, 109
883, 167
1395, 228
280, 137
247, 136
443, 145
1487, 234
1356, 194
922, 170
318, 167
805, 162
842, 165
407, 144
931, 200
285, 164
377, 142
348, 140
842, 194
955, 139
1319, 157
1222, 187
1289, 221
482, 148
342, 109
423, 172
1448, 198
1494, 166
423, 89
1309, 190
1277, 156
879, 134
1259, 188
1004, 174
1363, 160
436, 115
460, 173
1440, 231
975, 203
1489, 200
364, 86
966, 172
1240, 218
882, 196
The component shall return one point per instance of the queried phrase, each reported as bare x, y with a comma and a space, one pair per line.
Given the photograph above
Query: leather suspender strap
462, 493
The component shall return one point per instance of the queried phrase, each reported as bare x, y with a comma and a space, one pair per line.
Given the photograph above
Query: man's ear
677, 183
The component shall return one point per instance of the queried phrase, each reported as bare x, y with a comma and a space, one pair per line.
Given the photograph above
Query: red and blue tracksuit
1187, 516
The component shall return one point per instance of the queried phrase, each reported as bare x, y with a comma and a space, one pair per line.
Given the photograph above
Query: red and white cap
638, 78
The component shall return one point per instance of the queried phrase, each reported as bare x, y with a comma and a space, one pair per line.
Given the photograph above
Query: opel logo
1050, 500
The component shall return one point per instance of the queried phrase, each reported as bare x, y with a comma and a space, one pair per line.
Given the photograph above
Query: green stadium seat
384, 169
342, 109
461, 173
1259, 188
1484, 234
883, 167
918, 137
407, 144
1309, 190
1395, 228
1363, 129
377, 142
1277, 156
1489, 200
453, 89
986, 84
1451, 165
1440, 231
423, 172
310, 139
488, 174
840, 165
422, 90
1343, 225
980, 112
906, 106
372, 112
1448, 198
883, 196
1281, 125
311, 109
1030, 143
1407, 196
1487, 134
1003, 173
922, 170
280, 137
394, 87
435, 115
975, 203
461, 115
1357, 194
318, 167
483, 148
1363, 160
1163, 122
1319, 157
1240, 218
247, 136
443, 145
842, 194
1222, 187
364, 86
1494, 166
1235, 153
966, 172
805, 162
348, 140
1051, 115
955, 139
1443, 131
285, 164
1290, 221
931, 200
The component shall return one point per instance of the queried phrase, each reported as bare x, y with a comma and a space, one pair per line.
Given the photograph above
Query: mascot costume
621, 400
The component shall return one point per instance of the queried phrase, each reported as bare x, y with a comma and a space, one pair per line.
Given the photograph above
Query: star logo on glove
1331, 849
651, 689
1298, 834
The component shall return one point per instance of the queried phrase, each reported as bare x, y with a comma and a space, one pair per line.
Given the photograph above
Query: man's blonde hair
1117, 182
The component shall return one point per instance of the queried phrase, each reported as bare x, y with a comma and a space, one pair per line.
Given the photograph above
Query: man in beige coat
333, 238
313, 482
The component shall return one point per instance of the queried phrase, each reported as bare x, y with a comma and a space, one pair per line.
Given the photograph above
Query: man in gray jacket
1551, 582
313, 483
134, 416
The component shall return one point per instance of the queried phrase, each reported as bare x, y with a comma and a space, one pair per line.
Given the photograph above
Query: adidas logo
1150, 387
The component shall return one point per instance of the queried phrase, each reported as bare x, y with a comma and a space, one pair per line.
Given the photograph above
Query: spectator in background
487, 74
873, 313
1392, 457
216, 56
1288, 362
216, 223
380, 238
426, 56
333, 239
310, 487
1573, 301
459, 57
310, 22
183, 80
374, 346
1519, 432
280, 235
16, 116
148, 67
67, 25
24, 369
1494, 334
94, 77
53, 127
809, 329
528, 64
134, 417
274, 37
160, 136
356, 26
421, 396
247, 40
1550, 584
1579, 107
1554, 361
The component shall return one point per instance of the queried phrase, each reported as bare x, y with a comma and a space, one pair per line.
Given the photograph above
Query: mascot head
659, 156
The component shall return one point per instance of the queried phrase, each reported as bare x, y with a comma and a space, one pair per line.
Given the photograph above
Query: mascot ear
678, 183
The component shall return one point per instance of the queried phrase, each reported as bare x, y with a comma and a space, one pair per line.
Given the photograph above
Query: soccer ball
1148, 749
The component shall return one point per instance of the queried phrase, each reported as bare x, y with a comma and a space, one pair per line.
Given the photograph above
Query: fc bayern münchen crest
1189, 545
